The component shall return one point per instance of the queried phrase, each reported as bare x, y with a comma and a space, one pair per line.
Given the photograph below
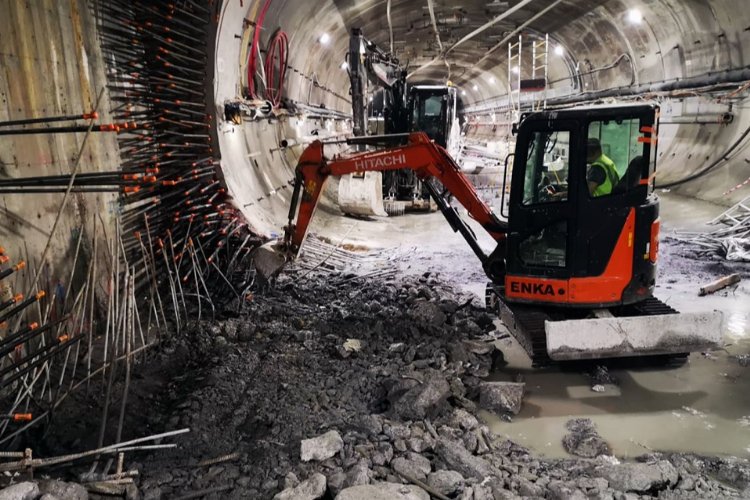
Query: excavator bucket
269, 259
362, 194
633, 336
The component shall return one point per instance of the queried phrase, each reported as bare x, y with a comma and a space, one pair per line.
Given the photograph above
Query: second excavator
573, 271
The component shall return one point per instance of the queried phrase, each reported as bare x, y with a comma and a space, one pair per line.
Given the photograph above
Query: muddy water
703, 406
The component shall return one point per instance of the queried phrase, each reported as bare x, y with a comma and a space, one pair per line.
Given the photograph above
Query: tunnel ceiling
675, 38
602, 45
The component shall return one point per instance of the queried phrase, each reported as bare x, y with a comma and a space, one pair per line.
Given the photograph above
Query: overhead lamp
344, 65
492, 79
475, 88
635, 16
559, 50
324, 39
463, 92
515, 69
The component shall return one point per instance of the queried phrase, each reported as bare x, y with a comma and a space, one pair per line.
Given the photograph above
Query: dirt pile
338, 387
347, 387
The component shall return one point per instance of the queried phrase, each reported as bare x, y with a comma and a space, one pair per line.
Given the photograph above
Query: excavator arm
428, 160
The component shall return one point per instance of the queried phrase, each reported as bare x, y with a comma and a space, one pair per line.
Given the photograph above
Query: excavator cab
569, 245
583, 239
432, 110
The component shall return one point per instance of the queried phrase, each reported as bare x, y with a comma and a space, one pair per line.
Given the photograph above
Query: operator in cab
602, 174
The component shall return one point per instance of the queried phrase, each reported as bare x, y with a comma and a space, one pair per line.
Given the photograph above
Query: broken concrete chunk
371, 424
21, 491
639, 478
463, 419
528, 489
425, 400
291, 480
413, 465
501, 397
395, 430
483, 492
358, 474
457, 353
584, 440
311, 489
428, 314
458, 458
61, 489
336, 481
321, 447
479, 348
383, 491
561, 491
352, 345
447, 482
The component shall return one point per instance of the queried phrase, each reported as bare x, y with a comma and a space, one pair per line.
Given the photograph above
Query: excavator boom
428, 160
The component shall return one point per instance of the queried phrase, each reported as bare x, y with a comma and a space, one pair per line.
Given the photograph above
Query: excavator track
526, 323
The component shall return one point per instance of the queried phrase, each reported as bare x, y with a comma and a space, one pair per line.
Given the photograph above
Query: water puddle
702, 407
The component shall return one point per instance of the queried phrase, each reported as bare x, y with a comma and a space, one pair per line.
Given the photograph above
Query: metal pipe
710, 79
63, 130
28, 121
714, 80
711, 119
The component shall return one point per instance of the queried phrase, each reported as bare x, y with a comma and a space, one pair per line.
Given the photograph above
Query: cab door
542, 222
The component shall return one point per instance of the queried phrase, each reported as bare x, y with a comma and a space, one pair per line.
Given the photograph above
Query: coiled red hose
278, 50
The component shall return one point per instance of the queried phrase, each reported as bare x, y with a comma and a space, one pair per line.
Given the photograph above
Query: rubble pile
344, 388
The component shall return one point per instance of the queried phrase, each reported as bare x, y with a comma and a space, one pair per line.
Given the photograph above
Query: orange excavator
573, 271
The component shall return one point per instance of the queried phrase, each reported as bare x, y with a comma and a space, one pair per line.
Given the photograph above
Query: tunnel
469, 313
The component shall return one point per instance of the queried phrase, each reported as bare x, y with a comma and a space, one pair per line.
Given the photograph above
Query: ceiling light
515, 69
475, 88
635, 16
324, 38
344, 65
463, 92
370, 98
492, 79
559, 50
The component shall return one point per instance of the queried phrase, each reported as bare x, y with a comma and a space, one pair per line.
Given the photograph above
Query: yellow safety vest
611, 176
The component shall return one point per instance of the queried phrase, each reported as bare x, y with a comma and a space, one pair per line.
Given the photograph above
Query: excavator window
614, 143
430, 114
547, 247
547, 166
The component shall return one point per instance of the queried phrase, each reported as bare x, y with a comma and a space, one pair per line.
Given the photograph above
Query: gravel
301, 420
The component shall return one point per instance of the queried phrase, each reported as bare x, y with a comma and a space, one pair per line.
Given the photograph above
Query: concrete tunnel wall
52, 65
677, 39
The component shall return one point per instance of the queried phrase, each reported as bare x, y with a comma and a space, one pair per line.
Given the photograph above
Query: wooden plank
717, 285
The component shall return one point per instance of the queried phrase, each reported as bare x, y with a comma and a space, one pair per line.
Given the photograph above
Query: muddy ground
392, 373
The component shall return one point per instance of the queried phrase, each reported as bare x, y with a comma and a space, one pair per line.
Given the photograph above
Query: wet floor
702, 406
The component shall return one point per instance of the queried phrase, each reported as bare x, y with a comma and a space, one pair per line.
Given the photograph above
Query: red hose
278, 48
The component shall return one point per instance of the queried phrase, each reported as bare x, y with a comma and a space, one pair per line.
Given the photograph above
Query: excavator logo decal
380, 163
532, 288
